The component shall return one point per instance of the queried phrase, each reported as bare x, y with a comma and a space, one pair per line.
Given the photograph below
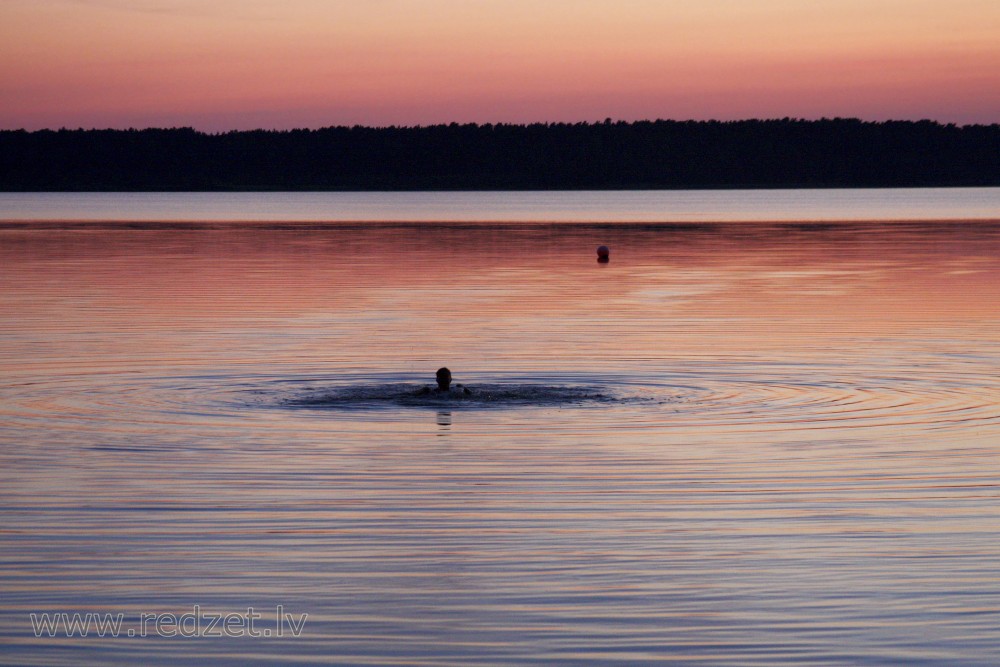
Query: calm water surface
932, 204
750, 443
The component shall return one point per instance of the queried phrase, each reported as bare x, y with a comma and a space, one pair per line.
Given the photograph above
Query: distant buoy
603, 253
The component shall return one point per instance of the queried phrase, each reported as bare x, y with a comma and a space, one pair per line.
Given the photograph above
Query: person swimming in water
443, 377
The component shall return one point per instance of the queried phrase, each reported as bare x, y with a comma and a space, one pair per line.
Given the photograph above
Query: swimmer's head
444, 379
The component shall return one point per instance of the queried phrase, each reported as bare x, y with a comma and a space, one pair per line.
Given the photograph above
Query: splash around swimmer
364, 395
443, 377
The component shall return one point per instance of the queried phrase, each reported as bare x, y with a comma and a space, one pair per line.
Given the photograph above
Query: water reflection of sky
815, 478
658, 206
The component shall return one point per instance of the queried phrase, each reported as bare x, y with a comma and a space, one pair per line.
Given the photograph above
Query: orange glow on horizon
312, 63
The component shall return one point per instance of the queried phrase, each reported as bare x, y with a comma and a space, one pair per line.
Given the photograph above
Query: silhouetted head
444, 379
603, 254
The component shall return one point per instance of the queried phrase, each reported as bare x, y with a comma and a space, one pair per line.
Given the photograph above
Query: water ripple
713, 395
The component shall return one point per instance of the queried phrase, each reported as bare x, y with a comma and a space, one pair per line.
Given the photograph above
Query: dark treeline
653, 154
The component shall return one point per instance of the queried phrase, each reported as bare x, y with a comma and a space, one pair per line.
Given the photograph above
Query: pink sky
237, 64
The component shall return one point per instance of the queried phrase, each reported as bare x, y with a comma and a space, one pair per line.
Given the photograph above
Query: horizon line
604, 121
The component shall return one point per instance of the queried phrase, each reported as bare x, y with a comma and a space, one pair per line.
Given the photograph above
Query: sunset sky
239, 64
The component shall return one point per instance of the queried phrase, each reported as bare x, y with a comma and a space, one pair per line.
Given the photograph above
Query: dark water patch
493, 395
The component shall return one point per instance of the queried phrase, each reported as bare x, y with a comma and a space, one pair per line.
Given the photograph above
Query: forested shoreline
784, 153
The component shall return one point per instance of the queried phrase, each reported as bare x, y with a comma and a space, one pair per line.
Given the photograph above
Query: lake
767, 431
